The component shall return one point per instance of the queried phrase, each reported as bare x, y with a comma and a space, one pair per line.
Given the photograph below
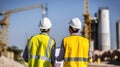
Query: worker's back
76, 51
38, 51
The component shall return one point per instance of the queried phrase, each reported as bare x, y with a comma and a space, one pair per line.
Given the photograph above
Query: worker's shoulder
52, 38
66, 37
38, 35
34, 36
79, 36
85, 39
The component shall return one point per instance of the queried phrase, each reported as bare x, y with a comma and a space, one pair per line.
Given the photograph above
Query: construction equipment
4, 23
87, 22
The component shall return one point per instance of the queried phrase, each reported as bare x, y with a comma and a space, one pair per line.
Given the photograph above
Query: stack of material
5, 62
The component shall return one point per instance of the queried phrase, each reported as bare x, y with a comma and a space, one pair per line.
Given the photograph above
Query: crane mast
6, 32
87, 22
4, 23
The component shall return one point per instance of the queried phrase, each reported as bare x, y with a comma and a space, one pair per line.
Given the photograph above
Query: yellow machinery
4, 23
87, 21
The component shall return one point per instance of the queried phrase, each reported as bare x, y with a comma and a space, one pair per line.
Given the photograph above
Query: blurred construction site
96, 29
9, 54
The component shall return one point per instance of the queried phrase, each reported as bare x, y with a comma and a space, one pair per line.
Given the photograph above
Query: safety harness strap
76, 59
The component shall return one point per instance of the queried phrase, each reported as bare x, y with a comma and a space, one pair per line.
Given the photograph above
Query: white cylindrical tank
118, 34
104, 29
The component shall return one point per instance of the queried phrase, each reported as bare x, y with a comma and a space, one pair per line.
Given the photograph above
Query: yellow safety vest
76, 51
40, 51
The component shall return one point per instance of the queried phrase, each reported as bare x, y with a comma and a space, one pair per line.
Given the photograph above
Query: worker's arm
53, 55
25, 54
61, 54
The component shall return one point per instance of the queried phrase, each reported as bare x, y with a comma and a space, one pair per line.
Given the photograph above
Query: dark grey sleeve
53, 54
26, 50
25, 54
62, 52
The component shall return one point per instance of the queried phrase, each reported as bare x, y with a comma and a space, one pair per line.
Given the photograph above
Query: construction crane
87, 22
5, 23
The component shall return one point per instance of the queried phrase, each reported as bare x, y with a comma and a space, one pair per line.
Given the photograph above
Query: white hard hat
45, 23
75, 23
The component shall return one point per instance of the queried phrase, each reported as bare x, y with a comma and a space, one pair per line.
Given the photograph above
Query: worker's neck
74, 34
46, 33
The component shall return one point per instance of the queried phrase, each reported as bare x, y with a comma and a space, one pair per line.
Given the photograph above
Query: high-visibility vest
76, 51
40, 51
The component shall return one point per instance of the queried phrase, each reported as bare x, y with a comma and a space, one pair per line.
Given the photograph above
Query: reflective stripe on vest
48, 48
76, 59
40, 57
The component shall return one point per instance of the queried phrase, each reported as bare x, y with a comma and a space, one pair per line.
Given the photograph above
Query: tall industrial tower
87, 21
104, 29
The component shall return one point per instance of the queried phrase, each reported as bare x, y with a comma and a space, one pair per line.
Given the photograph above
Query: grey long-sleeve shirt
62, 52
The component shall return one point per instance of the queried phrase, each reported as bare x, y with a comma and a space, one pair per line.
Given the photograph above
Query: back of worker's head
45, 24
75, 24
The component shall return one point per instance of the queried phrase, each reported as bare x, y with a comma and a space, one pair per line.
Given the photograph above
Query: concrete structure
118, 34
104, 29
94, 28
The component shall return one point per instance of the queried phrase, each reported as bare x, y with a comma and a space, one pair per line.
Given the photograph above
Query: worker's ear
48, 30
70, 30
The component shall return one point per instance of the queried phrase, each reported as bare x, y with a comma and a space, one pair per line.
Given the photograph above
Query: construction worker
41, 47
74, 48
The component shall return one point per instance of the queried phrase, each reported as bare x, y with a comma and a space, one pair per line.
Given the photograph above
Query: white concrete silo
104, 29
